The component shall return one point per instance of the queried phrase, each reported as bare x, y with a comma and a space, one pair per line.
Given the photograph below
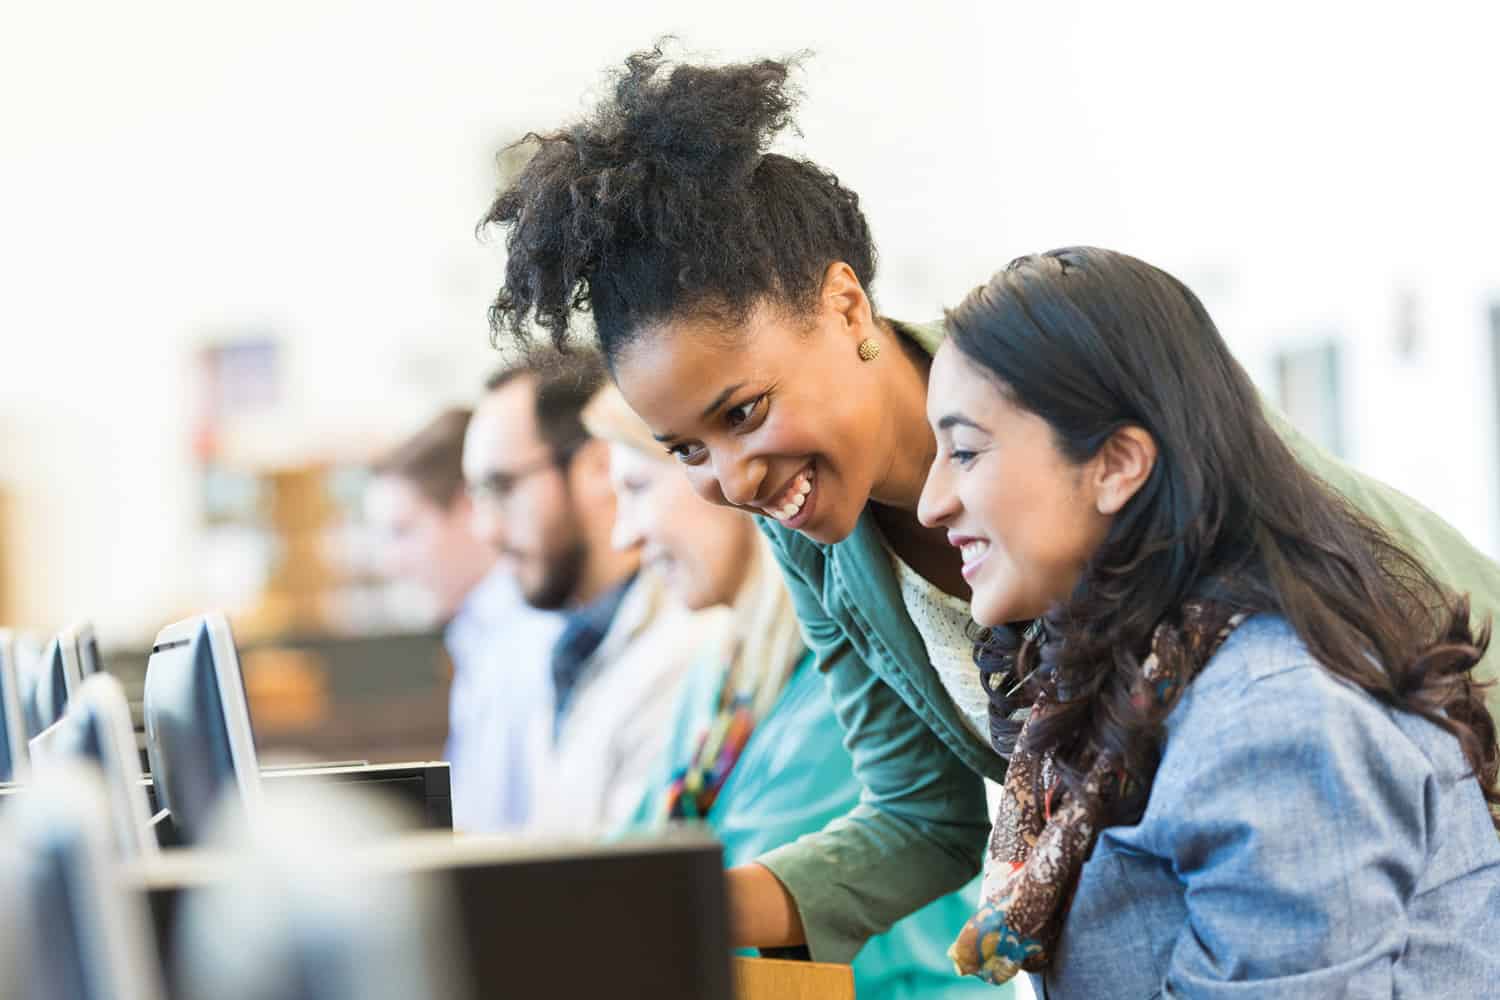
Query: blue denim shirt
1300, 840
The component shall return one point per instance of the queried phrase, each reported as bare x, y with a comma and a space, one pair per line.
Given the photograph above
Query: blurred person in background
544, 503
499, 645
755, 751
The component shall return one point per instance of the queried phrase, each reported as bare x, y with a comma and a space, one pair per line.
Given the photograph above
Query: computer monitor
520, 910
81, 644
54, 679
198, 734
88, 931
97, 730
13, 752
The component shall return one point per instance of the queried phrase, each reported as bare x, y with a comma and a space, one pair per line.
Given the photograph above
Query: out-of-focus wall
178, 172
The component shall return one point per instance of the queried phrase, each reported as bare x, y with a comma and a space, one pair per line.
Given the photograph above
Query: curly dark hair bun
665, 202
709, 122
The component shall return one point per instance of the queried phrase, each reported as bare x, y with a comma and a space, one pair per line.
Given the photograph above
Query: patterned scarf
1042, 836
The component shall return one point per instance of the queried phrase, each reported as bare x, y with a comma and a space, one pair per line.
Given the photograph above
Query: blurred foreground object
82, 935
301, 918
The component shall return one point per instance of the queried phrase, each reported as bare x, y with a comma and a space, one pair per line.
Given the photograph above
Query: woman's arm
918, 832
762, 914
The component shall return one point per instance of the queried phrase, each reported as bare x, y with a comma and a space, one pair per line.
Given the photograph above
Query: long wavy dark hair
1093, 341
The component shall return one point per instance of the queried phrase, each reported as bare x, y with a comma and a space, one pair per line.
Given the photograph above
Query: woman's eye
961, 457
742, 413
686, 453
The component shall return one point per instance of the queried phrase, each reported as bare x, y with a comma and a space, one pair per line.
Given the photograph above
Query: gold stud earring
869, 350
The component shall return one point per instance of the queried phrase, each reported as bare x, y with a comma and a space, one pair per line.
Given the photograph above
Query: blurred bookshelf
338, 663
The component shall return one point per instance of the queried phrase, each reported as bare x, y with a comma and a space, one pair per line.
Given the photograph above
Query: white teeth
795, 497
972, 550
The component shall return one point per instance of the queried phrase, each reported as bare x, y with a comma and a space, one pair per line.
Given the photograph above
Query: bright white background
178, 172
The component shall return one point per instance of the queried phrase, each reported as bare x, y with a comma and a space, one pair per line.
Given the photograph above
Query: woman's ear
843, 298
1122, 467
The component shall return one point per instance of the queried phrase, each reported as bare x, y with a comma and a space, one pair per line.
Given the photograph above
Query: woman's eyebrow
720, 400
950, 420
708, 410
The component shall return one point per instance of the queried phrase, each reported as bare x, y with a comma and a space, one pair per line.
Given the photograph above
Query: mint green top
919, 829
792, 778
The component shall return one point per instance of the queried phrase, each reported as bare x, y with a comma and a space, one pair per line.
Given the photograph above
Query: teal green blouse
793, 777
919, 829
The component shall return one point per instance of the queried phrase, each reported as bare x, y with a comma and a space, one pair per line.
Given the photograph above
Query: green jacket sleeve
1443, 550
919, 828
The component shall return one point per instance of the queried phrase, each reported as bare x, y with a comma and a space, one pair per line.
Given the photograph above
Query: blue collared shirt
501, 649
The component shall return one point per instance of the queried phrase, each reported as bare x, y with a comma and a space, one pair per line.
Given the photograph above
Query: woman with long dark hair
1244, 735
730, 290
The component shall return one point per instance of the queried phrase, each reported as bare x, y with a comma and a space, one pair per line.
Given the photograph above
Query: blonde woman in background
755, 751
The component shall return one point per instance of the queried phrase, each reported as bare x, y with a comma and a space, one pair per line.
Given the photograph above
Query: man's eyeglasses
498, 486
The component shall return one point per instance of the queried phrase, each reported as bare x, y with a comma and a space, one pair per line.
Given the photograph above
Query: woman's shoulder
1265, 683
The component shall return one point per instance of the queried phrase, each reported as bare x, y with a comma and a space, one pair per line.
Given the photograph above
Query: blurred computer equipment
14, 757
96, 729
299, 914
198, 735
565, 921
45, 688
89, 936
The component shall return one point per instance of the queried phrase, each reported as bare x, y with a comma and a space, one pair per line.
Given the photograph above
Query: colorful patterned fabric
1042, 836
695, 788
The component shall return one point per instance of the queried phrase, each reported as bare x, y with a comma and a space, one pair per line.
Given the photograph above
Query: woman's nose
627, 532
740, 479
939, 500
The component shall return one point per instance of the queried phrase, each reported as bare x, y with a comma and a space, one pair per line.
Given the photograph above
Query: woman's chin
989, 609
695, 600
984, 620
829, 527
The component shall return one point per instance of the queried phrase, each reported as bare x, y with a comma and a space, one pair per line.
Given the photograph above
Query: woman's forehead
961, 392
676, 372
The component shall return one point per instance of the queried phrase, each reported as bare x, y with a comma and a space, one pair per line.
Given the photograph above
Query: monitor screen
70, 737
13, 752
198, 734
89, 927
50, 687
97, 730
80, 653
89, 660
53, 889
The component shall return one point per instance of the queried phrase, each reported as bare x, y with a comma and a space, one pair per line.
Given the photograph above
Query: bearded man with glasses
543, 501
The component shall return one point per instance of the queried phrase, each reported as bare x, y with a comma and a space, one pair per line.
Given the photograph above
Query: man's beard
562, 574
